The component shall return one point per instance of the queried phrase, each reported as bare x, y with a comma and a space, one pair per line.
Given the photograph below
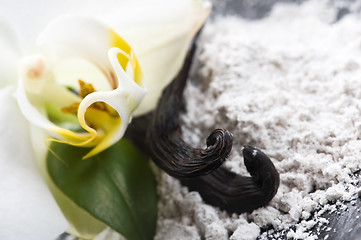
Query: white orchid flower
85, 83
46, 87
78, 41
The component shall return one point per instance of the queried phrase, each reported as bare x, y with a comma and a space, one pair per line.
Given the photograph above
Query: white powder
289, 84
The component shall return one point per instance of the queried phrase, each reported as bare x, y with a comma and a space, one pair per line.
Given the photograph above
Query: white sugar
289, 84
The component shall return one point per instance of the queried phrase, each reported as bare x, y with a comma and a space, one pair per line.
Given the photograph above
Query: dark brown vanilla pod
199, 169
165, 144
235, 193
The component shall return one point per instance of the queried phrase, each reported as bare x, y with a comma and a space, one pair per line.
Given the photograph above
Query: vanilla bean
200, 169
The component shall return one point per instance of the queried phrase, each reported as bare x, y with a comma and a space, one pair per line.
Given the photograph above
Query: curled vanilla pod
235, 193
200, 169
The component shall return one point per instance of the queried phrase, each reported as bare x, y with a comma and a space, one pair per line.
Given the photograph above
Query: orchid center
99, 115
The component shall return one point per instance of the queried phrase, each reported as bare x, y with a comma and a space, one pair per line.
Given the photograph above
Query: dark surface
344, 223
257, 9
249, 9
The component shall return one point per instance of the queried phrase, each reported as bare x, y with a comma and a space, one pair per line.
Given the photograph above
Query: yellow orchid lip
38, 87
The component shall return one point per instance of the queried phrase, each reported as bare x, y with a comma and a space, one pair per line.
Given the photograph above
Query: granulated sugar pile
289, 84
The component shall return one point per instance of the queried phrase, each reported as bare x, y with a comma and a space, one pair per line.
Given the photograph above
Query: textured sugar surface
289, 84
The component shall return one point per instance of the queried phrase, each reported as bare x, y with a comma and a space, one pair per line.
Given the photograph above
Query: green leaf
116, 186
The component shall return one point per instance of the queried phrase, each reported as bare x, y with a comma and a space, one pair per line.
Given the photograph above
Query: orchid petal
46, 91
160, 33
90, 39
81, 223
26, 203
